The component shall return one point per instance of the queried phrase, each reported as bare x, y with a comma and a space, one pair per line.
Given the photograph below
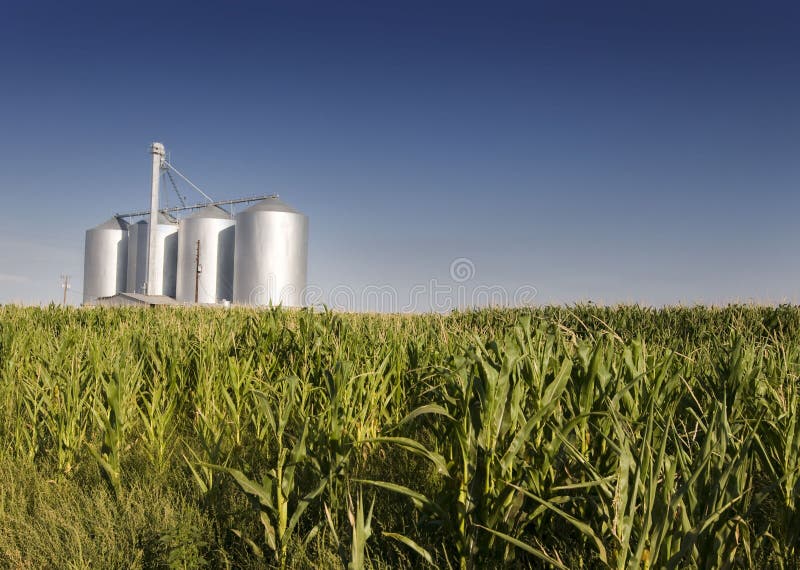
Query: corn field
580, 437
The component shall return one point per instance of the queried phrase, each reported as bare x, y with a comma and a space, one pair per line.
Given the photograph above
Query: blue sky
605, 151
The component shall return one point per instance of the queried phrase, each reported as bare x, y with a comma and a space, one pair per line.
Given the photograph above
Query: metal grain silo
270, 255
105, 260
166, 257
213, 229
137, 257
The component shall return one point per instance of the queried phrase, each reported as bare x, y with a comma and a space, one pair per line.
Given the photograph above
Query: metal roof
163, 219
113, 223
143, 299
211, 212
272, 204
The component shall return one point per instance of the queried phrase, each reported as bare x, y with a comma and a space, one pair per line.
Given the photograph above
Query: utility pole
197, 269
65, 285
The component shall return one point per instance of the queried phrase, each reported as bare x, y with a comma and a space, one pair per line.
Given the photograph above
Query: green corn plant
278, 498
31, 405
113, 424
69, 421
361, 531
210, 435
210, 442
236, 386
481, 408
158, 402
664, 503
118, 378
580, 437
781, 446
157, 411
346, 410
65, 391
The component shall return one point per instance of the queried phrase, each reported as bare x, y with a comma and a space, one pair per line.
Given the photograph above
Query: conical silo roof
113, 223
214, 212
162, 219
272, 204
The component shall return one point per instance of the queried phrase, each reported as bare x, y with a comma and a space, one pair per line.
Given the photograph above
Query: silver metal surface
270, 255
214, 228
155, 273
105, 260
137, 257
165, 257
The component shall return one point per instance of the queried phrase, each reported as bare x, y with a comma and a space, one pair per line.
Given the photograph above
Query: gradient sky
605, 151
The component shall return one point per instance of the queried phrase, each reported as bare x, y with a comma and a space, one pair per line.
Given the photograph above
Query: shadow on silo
170, 264
225, 263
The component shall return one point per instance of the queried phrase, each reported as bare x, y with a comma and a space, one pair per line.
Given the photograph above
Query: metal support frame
189, 182
197, 206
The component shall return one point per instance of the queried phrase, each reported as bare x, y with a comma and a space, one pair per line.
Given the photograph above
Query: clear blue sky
605, 151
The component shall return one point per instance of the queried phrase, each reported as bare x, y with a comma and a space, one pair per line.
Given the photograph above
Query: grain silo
165, 255
260, 258
208, 235
270, 255
137, 257
105, 260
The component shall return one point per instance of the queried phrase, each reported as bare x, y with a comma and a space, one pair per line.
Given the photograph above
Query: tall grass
582, 437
